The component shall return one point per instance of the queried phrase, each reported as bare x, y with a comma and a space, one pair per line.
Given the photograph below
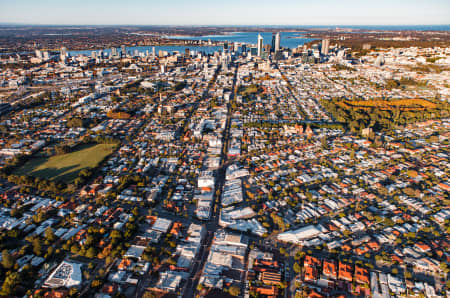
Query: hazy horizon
223, 25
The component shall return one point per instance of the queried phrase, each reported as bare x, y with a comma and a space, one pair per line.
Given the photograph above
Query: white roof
304, 233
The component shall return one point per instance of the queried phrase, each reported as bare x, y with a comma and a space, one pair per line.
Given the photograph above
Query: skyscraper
123, 49
260, 45
325, 45
277, 42
225, 47
113, 52
244, 48
63, 54
273, 43
63, 51
236, 47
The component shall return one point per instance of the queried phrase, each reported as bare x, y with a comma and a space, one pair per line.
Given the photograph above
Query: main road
213, 224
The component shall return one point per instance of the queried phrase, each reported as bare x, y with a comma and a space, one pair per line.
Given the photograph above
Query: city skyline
200, 12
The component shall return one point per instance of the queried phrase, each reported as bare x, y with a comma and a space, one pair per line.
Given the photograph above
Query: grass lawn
66, 167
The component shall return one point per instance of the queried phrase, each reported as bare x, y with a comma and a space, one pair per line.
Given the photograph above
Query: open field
66, 167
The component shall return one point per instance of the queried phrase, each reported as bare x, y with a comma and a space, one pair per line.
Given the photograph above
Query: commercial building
260, 45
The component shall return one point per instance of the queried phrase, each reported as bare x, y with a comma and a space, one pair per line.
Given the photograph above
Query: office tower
253, 51
277, 42
153, 52
38, 54
260, 45
305, 55
123, 49
244, 48
225, 62
325, 45
225, 47
46, 55
273, 42
236, 47
63, 51
113, 52
63, 54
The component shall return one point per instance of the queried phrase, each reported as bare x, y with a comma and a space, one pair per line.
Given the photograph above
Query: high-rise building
277, 42
123, 49
236, 47
273, 43
225, 47
244, 48
325, 45
63, 51
260, 45
39, 54
63, 54
113, 52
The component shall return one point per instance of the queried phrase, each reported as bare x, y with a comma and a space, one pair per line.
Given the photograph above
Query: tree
297, 268
324, 143
75, 122
37, 248
73, 292
234, 291
37, 218
115, 234
49, 234
148, 294
74, 249
408, 275
96, 283
11, 281
90, 253
7, 259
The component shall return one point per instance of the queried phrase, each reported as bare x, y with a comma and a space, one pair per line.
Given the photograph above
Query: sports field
66, 167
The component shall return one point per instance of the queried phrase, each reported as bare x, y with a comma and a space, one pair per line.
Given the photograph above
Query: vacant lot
66, 167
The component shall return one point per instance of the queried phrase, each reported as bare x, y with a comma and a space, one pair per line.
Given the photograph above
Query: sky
226, 12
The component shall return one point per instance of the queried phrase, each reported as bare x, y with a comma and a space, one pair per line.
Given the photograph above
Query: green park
65, 167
